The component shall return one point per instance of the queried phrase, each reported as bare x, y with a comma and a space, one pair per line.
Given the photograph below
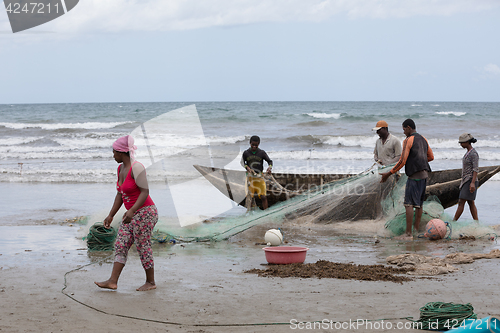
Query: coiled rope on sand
101, 238
443, 316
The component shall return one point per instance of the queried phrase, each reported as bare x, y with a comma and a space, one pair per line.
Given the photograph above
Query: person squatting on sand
140, 218
388, 147
253, 161
415, 157
469, 184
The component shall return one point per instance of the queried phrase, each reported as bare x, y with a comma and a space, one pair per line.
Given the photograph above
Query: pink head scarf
125, 144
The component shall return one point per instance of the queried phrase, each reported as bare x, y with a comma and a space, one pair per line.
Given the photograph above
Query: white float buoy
273, 237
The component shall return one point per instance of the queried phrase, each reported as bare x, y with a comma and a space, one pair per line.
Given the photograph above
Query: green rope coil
100, 238
446, 315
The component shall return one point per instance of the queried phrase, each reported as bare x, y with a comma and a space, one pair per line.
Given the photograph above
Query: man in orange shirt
415, 158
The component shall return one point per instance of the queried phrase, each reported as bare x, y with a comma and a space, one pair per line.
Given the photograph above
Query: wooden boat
444, 184
232, 183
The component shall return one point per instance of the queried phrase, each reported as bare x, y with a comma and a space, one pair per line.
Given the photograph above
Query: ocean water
56, 159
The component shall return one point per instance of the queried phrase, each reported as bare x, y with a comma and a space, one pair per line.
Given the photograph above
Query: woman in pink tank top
140, 218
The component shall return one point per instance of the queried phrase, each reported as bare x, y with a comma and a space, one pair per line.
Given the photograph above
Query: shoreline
60, 202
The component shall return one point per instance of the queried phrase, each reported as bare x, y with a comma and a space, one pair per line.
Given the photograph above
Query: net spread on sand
419, 264
360, 197
351, 198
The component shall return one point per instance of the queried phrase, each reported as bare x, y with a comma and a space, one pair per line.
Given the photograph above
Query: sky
256, 50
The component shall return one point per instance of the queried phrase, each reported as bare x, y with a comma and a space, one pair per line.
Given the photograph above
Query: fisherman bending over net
415, 158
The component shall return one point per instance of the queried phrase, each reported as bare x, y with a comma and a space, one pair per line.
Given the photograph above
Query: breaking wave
454, 113
58, 126
324, 115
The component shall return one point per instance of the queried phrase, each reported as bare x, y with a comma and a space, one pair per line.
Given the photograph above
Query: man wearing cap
415, 158
388, 147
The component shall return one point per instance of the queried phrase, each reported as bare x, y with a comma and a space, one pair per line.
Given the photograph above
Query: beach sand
202, 287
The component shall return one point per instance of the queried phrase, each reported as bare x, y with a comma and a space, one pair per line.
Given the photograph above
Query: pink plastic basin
285, 254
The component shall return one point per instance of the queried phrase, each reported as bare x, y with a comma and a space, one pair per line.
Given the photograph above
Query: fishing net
355, 198
100, 238
470, 229
395, 211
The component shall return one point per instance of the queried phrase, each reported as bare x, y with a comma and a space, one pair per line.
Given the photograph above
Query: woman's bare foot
107, 284
147, 286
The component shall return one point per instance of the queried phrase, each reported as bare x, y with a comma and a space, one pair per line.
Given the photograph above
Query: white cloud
164, 15
492, 69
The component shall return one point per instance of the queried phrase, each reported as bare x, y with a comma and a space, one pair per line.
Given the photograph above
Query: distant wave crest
324, 115
57, 126
17, 140
454, 113
226, 139
321, 155
346, 141
453, 143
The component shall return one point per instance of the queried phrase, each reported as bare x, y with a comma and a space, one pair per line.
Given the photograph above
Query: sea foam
57, 126
338, 154
324, 115
454, 113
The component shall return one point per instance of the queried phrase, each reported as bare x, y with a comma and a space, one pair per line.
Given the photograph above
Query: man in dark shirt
415, 158
253, 161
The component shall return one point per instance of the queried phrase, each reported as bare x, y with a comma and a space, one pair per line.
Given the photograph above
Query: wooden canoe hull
232, 183
447, 189
444, 184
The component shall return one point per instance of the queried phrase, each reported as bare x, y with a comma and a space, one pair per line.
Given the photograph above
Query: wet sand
203, 285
